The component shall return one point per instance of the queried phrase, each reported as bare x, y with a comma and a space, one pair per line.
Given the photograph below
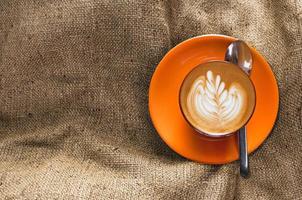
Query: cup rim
205, 133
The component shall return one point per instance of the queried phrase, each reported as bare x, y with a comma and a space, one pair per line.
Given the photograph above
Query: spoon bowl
239, 53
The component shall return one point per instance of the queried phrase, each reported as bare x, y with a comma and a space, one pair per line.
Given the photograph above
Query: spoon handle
244, 162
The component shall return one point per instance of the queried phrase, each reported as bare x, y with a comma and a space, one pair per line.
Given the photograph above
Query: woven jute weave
74, 79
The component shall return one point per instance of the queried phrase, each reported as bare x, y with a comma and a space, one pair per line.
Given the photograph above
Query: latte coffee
217, 98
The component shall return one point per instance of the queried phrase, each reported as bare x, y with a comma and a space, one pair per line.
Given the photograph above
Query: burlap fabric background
74, 79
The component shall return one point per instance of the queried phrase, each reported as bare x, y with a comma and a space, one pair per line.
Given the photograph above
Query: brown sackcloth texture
74, 79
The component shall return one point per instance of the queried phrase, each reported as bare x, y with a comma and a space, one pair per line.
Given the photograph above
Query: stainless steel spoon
239, 53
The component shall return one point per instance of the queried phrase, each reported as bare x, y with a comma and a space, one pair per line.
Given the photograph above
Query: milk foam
210, 101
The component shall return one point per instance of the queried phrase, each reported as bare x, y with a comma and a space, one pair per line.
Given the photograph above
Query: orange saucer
169, 121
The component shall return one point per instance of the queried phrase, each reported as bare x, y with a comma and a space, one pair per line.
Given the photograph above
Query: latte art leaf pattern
211, 101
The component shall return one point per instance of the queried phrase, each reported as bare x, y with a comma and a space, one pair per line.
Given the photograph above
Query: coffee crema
217, 98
